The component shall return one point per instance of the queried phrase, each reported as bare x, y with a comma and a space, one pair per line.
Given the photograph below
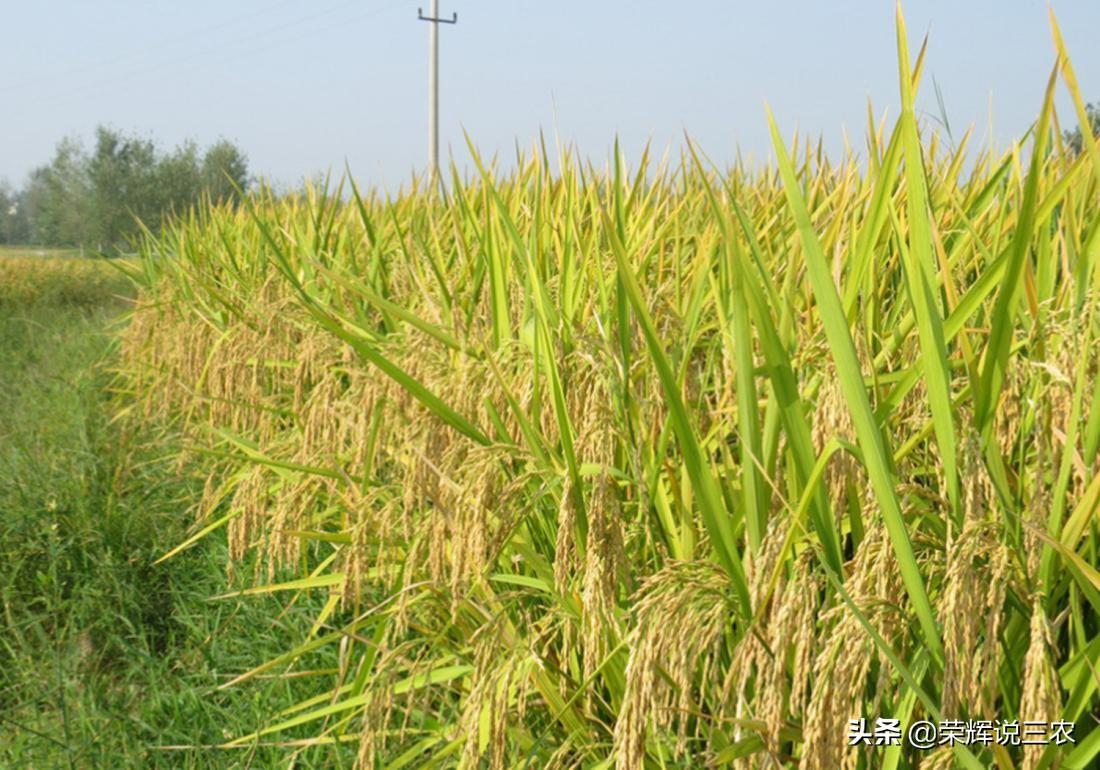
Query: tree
1074, 139
13, 215
121, 173
57, 198
101, 199
178, 179
224, 171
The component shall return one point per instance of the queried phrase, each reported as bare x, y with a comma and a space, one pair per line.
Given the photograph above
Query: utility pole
433, 86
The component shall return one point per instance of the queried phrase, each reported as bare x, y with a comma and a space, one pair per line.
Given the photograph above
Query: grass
105, 657
657, 467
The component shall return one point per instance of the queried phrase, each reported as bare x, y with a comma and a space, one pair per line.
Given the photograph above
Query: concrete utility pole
433, 85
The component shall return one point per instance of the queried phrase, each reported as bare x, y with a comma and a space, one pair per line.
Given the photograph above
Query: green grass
105, 656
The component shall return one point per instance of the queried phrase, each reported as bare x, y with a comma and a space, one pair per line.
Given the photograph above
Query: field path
104, 656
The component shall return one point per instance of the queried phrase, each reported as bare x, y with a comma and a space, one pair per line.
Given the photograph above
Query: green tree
1074, 140
13, 215
224, 171
122, 176
179, 179
99, 199
57, 198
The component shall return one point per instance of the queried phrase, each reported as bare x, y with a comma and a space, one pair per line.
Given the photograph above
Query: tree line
96, 198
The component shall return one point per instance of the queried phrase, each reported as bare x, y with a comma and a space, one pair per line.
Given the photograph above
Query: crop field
41, 253
654, 465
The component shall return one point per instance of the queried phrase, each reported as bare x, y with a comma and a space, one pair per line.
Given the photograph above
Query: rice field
657, 465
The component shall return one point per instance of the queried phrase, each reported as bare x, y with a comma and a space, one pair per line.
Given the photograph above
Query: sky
307, 87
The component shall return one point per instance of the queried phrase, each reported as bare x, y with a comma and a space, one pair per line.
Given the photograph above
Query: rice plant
659, 465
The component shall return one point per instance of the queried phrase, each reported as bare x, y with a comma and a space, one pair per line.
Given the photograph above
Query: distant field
37, 251
60, 278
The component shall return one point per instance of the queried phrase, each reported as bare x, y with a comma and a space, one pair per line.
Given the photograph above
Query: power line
159, 45
203, 57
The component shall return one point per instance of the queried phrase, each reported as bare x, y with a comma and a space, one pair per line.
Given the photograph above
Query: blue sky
302, 87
